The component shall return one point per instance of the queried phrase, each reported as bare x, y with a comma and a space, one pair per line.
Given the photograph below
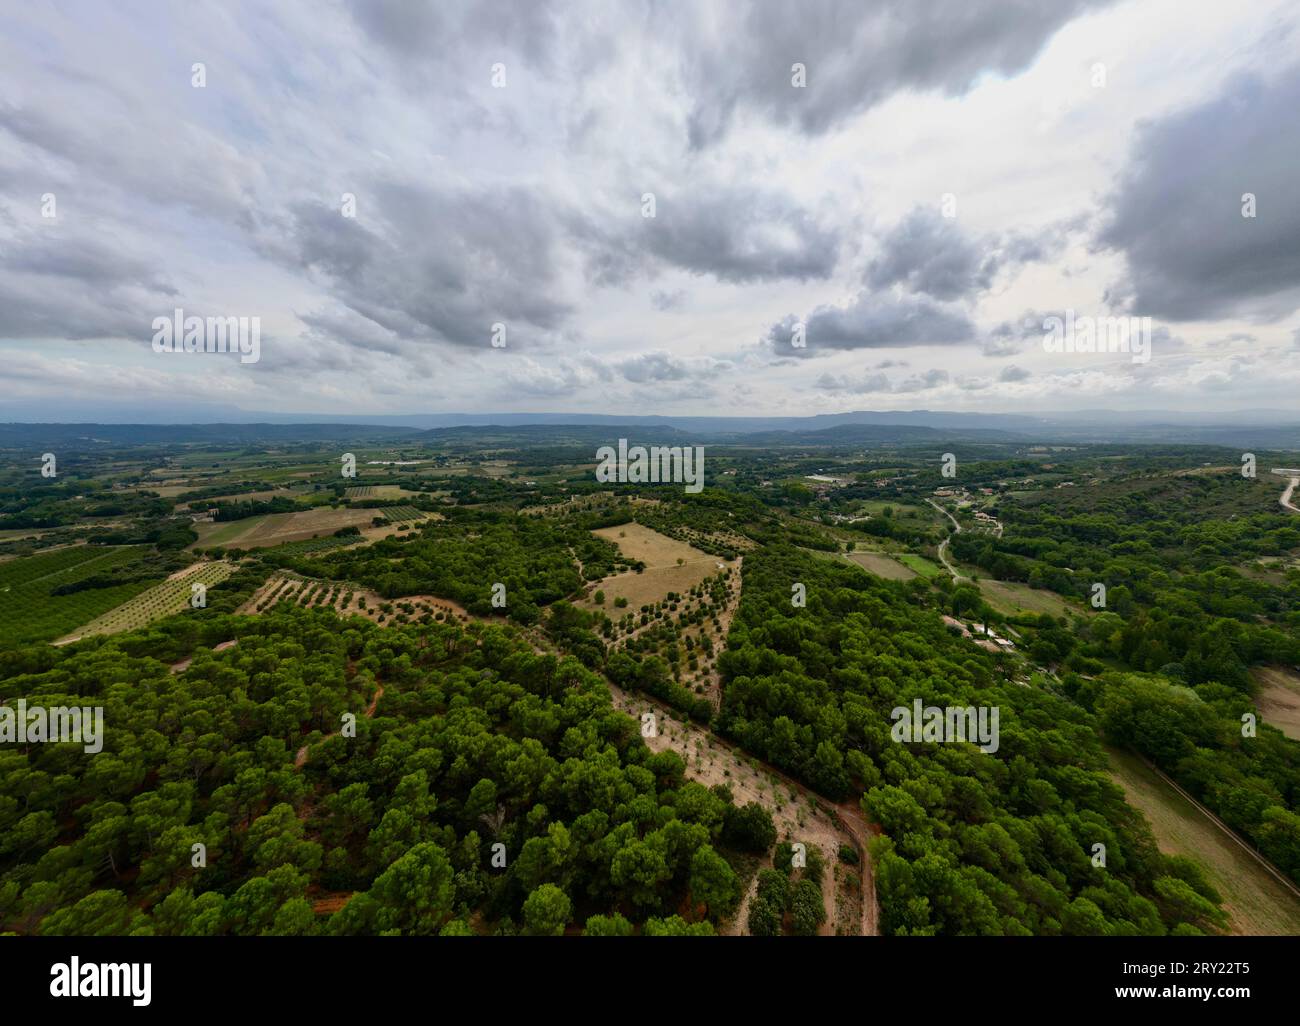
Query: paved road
944, 544
1286, 495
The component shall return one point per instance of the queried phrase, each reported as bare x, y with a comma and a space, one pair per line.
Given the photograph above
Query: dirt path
798, 813
713, 679
300, 760
184, 664
738, 922
854, 821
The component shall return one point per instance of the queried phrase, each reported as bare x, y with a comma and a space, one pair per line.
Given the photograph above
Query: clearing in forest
919, 564
882, 565
1012, 599
797, 814
670, 565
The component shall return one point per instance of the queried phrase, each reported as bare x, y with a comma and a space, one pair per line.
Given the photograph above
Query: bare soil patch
637, 541
662, 574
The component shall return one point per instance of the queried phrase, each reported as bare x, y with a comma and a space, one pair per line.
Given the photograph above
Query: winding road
1286, 495
944, 544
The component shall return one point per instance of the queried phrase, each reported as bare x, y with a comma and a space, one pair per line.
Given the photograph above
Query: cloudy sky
948, 174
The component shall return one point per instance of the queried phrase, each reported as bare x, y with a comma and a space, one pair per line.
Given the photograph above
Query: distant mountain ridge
1261, 429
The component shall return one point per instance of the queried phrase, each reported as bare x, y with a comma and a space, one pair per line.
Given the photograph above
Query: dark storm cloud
663, 301
922, 382
880, 383
437, 31
162, 162
857, 54
62, 284
660, 365
739, 235
928, 253
1010, 338
1177, 211
873, 321
855, 386
443, 265
83, 261
70, 314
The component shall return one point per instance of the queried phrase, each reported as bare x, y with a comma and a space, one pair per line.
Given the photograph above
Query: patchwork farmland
278, 528
32, 609
403, 514
165, 599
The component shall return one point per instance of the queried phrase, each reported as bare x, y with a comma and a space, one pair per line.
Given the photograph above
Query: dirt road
798, 812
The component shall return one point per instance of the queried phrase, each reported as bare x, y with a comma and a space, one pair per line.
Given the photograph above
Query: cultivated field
378, 492
1278, 698
1256, 903
882, 565
919, 564
1011, 599
349, 600
226, 532
268, 493
28, 610
663, 572
403, 514
165, 599
277, 528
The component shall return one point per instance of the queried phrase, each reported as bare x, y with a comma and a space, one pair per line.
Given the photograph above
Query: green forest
477, 741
